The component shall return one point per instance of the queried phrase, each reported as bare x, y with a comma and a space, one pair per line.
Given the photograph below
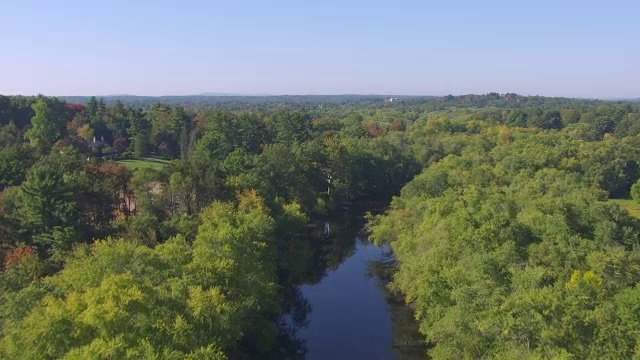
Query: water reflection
337, 305
409, 342
349, 318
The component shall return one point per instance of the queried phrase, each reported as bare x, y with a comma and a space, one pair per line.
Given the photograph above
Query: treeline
332, 102
511, 100
241, 102
507, 246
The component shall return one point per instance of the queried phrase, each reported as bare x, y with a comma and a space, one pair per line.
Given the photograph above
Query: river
349, 317
351, 314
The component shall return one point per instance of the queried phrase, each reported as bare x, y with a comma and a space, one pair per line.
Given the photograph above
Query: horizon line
211, 94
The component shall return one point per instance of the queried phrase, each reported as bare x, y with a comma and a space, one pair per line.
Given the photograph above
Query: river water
349, 317
352, 315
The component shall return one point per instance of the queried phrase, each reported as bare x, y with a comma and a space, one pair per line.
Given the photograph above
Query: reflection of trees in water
297, 307
295, 311
306, 261
329, 252
408, 341
285, 344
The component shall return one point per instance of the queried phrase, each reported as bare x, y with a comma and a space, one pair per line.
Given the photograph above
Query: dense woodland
506, 240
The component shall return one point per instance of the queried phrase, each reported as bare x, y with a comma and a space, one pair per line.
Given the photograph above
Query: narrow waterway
352, 315
350, 318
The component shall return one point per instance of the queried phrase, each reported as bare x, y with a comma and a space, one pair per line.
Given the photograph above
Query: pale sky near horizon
551, 48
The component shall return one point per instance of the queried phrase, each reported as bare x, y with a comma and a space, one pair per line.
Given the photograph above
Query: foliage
632, 206
507, 244
15, 160
119, 299
44, 129
47, 207
513, 251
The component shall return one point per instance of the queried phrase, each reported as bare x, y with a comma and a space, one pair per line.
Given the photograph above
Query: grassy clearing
631, 206
144, 163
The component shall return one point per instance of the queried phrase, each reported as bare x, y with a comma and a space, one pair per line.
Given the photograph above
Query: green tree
635, 191
212, 299
10, 135
279, 176
288, 128
629, 125
140, 129
508, 256
14, 162
44, 131
48, 208
183, 128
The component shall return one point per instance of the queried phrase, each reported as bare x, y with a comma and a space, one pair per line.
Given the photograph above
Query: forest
174, 228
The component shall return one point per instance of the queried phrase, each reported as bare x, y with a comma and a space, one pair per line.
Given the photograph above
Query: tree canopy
183, 227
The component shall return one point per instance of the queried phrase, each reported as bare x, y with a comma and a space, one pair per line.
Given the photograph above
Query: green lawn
144, 163
631, 206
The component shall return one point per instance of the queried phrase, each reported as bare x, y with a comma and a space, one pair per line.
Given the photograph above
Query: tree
280, 177
181, 120
22, 266
167, 126
85, 132
221, 135
92, 107
289, 128
44, 131
550, 119
10, 135
116, 120
629, 125
140, 130
513, 251
14, 162
570, 116
635, 191
48, 208
118, 299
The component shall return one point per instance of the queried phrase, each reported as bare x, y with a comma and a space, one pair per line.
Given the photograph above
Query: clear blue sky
554, 48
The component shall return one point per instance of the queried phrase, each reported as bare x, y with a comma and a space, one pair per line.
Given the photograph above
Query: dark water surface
350, 318
337, 304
